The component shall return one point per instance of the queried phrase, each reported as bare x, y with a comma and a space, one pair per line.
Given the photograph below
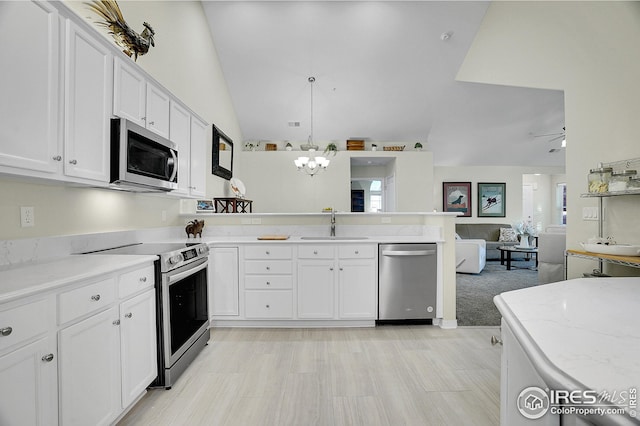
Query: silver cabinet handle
495, 341
6, 331
315, 252
128, 315
267, 252
268, 283
73, 162
341, 268
57, 158
268, 268
151, 123
143, 279
95, 298
331, 269
408, 253
267, 306
357, 252
116, 322
47, 358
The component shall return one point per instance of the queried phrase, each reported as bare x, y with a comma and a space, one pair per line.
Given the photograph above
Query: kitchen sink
334, 238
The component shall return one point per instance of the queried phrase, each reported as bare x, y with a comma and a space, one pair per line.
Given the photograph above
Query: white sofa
551, 247
471, 256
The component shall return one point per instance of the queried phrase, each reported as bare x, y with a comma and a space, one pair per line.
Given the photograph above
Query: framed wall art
491, 199
456, 197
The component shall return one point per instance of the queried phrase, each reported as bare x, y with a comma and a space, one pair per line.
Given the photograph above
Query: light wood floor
387, 375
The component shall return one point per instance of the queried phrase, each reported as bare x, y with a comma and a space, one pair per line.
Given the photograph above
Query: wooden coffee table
515, 249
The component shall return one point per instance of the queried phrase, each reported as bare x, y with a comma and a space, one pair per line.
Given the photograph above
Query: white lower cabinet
316, 283
223, 281
358, 289
90, 370
28, 384
107, 361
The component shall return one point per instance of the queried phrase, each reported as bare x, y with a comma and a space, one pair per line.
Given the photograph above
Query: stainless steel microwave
141, 160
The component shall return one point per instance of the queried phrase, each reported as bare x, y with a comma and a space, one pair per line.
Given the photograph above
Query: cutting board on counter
273, 237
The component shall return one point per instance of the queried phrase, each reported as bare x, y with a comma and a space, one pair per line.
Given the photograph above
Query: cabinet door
358, 289
198, 158
28, 385
157, 117
180, 134
138, 345
29, 87
129, 93
223, 281
315, 289
88, 93
89, 373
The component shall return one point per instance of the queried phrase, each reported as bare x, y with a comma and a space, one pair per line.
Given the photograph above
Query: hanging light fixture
311, 164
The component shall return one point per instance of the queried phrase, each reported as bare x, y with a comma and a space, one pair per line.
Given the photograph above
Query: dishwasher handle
408, 252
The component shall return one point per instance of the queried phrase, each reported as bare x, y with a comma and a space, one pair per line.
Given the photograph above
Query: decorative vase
524, 241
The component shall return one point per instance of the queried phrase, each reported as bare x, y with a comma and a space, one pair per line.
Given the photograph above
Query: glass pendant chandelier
311, 164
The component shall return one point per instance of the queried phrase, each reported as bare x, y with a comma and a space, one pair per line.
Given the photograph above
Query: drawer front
85, 299
268, 282
19, 324
316, 252
268, 267
268, 304
134, 281
268, 252
357, 251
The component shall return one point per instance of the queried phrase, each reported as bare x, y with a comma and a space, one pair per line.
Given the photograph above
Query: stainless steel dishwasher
407, 280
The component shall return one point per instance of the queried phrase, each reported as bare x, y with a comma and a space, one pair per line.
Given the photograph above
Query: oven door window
188, 308
148, 158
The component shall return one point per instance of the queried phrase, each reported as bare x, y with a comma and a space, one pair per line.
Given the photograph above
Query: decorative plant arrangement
133, 44
374, 147
418, 146
525, 230
251, 146
288, 146
331, 149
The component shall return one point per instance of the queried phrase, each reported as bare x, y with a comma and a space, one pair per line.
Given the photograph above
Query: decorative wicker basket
394, 148
271, 147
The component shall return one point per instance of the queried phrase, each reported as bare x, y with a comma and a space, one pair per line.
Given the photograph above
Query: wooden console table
232, 205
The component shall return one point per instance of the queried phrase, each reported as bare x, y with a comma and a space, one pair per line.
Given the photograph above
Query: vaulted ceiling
385, 71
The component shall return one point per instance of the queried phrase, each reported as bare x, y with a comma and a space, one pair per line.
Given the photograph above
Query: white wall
276, 186
585, 49
185, 61
512, 176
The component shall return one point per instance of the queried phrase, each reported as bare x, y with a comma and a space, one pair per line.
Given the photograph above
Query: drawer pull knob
128, 315
95, 298
151, 123
357, 252
341, 268
116, 322
315, 252
268, 268
267, 252
57, 158
331, 269
74, 162
495, 341
267, 306
143, 279
47, 358
6, 331
268, 283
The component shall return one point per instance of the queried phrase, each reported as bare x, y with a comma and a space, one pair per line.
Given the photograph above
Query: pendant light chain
311, 80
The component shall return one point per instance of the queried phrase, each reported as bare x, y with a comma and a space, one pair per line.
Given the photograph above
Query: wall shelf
632, 261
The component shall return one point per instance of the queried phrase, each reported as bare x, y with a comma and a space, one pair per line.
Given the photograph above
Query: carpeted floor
474, 297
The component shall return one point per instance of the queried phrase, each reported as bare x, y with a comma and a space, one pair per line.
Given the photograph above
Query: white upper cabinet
29, 111
139, 100
198, 179
88, 94
130, 93
180, 134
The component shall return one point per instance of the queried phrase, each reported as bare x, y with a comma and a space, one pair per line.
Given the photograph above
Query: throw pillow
508, 235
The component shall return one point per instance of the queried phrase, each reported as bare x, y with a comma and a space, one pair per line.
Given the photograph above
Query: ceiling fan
555, 137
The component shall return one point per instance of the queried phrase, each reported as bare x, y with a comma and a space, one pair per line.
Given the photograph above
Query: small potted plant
374, 147
332, 148
288, 146
418, 146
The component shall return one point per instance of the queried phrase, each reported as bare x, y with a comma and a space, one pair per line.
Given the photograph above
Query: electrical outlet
245, 221
386, 219
256, 221
27, 217
164, 215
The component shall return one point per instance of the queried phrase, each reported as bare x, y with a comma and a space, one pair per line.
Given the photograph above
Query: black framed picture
491, 199
456, 197
222, 155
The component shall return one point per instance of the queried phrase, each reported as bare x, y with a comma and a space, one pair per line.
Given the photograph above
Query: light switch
589, 213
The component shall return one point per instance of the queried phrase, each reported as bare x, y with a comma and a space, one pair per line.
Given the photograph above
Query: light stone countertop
34, 278
579, 334
324, 240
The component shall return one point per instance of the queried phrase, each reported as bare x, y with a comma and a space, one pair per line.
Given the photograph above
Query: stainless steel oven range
181, 304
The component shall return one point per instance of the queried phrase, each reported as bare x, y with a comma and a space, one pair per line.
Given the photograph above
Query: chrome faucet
333, 223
